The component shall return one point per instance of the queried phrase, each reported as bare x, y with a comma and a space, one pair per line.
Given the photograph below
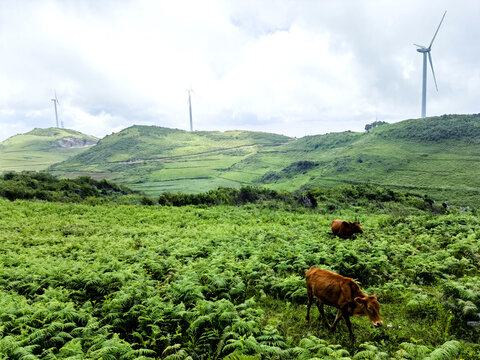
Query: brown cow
345, 229
343, 293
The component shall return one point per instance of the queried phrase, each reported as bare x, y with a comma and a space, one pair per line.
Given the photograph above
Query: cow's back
337, 226
330, 288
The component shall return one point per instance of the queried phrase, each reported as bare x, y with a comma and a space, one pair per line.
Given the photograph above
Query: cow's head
356, 227
352, 227
369, 306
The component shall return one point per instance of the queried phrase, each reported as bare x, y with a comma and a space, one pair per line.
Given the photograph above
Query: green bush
43, 186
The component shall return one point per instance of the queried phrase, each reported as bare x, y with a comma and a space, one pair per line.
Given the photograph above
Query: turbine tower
190, 108
55, 102
426, 51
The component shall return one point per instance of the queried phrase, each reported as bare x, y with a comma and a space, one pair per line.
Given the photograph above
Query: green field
40, 148
227, 282
435, 156
156, 160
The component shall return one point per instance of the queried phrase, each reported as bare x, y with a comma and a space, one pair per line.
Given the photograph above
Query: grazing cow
345, 229
343, 293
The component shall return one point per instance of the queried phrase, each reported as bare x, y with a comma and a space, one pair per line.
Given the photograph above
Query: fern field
227, 282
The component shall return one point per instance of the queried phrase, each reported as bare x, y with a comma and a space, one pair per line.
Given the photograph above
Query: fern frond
412, 351
179, 354
242, 357
447, 351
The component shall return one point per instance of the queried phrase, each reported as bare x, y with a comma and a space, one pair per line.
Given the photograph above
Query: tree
369, 127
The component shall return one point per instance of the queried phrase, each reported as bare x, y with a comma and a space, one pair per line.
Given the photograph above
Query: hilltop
156, 159
40, 148
435, 156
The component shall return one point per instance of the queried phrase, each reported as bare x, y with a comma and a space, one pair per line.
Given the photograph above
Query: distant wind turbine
425, 51
190, 92
55, 102
190, 108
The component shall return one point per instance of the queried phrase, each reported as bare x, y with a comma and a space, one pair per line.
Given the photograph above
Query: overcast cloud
289, 67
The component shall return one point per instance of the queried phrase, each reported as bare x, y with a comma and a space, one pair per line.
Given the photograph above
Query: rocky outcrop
72, 142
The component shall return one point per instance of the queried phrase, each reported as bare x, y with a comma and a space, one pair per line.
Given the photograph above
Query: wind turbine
190, 108
426, 51
55, 102
190, 92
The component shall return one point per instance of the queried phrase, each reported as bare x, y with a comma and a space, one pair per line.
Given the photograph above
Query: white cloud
291, 67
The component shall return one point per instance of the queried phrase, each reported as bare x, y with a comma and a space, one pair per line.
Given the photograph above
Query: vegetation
154, 159
369, 127
227, 282
43, 186
231, 196
357, 197
431, 156
465, 128
218, 273
40, 148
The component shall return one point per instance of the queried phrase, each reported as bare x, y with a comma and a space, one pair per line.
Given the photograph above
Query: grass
40, 148
155, 159
444, 171
433, 156
199, 184
34, 160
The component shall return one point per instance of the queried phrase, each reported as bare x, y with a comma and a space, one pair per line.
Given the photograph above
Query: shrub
145, 200
43, 186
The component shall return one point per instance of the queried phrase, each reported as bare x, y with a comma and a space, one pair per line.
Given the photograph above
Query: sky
295, 68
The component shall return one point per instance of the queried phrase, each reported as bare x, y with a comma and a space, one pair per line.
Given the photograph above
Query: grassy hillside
40, 148
437, 156
223, 282
155, 159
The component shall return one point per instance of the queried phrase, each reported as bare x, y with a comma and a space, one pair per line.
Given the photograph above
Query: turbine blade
433, 72
437, 29
420, 46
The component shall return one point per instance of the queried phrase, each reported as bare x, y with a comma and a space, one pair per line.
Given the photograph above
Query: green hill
40, 148
155, 159
436, 156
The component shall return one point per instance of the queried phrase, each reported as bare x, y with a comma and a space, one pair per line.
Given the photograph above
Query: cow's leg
322, 312
346, 316
337, 318
309, 303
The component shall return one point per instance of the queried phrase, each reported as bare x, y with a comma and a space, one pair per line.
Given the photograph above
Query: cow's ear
374, 295
359, 300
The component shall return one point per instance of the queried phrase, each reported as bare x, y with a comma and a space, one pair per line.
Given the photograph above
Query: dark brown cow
345, 229
343, 293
